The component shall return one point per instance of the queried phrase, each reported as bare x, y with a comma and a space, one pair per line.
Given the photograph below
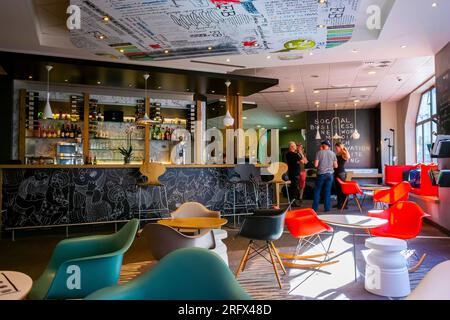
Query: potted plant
127, 153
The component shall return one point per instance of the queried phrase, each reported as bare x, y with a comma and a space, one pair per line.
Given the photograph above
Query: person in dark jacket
342, 156
293, 159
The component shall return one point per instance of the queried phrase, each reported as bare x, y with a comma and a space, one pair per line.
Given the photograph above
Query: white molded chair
194, 209
435, 285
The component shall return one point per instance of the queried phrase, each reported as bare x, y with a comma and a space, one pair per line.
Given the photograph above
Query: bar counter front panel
64, 195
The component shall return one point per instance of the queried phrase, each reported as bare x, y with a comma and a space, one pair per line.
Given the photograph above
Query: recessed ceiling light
66, 80
372, 72
209, 48
284, 128
316, 91
212, 91
403, 46
291, 90
287, 115
228, 60
256, 44
434, 4
322, 26
317, 102
355, 50
356, 101
322, 1
363, 89
311, 53
102, 37
105, 18
166, 51
268, 57
30, 77
98, 82
122, 51
258, 126
245, 118
187, 89
159, 87
291, 121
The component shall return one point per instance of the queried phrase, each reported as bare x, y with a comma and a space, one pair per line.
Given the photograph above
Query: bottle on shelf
58, 132
44, 132
72, 132
95, 160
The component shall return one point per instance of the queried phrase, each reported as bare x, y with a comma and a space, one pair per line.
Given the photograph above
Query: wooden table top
373, 187
16, 285
352, 221
194, 223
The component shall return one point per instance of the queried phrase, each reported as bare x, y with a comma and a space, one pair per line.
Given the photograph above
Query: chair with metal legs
243, 175
153, 171
264, 225
307, 227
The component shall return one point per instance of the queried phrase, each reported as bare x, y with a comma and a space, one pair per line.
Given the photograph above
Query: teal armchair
80, 266
184, 274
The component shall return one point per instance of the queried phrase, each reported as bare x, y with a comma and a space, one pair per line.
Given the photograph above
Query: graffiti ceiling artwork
145, 30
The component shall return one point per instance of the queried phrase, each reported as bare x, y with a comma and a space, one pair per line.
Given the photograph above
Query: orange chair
397, 193
405, 222
307, 227
350, 188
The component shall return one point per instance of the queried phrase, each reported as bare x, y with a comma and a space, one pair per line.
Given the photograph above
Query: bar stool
243, 174
153, 171
276, 170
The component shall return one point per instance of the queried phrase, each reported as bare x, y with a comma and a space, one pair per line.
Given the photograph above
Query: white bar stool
386, 269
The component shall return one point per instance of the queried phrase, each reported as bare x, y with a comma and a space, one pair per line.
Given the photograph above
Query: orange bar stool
350, 188
405, 222
397, 193
307, 227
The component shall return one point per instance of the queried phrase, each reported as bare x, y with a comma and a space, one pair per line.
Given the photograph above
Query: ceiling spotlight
372, 72
30, 77
105, 18
268, 57
98, 82
122, 51
159, 87
363, 89
316, 91
291, 121
187, 89
287, 115
212, 91
434, 5
209, 48
311, 53
244, 118
291, 90
403, 46
284, 128
166, 51
256, 44
322, 26
258, 126
322, 1
228, 60
356, 101
102, 37
355, 50
66, 80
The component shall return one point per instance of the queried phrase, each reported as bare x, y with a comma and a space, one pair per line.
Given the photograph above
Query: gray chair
162, 240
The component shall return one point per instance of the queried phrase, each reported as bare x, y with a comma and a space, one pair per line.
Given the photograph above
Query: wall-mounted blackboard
364, 151
443, 102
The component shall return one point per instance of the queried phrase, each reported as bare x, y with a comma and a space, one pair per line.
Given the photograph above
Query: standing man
293, 162
325, 163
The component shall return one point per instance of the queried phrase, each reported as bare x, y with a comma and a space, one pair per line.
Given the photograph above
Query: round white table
14, 285
352, 222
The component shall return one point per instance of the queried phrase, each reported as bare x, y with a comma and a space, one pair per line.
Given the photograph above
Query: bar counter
52, 195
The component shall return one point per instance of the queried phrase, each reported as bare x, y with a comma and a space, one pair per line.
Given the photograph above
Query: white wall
388, 114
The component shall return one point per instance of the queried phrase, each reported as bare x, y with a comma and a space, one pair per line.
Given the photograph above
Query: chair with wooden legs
264, 225
350, 188
307, 227
277, 171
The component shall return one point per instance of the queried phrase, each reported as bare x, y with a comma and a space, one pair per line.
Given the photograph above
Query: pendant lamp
48, 114
146, 119
355, 134
228, 121
318, 137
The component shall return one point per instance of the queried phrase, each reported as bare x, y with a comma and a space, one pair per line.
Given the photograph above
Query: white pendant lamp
355, 134
337, 135
48, 114
318, 137
146, 119
228, 121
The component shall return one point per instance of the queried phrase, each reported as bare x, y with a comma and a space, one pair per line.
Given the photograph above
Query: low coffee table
352, 222
14, 285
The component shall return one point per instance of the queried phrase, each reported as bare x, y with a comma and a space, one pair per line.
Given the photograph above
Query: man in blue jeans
325, 163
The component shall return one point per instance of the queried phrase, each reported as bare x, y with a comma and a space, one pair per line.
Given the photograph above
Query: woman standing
293, 162
302, 176
342, 156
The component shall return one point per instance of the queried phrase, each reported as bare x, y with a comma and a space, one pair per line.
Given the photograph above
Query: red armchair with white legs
398, 192
350, 188
405, 222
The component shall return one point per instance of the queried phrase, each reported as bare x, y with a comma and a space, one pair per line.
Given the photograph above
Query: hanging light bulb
48, 114
228, 121
146, 119
355, 134
318, 137
337, 135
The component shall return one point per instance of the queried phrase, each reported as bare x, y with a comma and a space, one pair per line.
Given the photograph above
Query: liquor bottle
58, 132
95, 160
79, 134
72, 132
161, 134
44, 132
60, 115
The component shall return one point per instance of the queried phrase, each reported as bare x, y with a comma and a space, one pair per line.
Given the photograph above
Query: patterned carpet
332, 282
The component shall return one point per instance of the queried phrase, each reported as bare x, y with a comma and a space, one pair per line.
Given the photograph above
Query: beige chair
162, 240
435, 285
194, 209
277, 169
153, 171
349, 175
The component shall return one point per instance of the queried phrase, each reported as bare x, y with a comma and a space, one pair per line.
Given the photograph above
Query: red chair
405, 222
350, 188
397, 193
307, 227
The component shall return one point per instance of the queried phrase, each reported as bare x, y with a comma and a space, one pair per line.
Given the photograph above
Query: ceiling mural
144, 30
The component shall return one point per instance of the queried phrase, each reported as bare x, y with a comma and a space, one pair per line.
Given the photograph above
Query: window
426, 125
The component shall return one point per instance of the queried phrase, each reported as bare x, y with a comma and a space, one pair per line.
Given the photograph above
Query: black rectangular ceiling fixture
219, 64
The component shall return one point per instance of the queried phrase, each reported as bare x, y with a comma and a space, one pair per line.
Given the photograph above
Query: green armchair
80, 266
184, 274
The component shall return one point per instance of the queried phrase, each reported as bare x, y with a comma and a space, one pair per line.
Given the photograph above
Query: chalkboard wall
443, 89
365, 152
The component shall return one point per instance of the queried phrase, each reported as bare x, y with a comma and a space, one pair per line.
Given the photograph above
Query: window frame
432, 118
